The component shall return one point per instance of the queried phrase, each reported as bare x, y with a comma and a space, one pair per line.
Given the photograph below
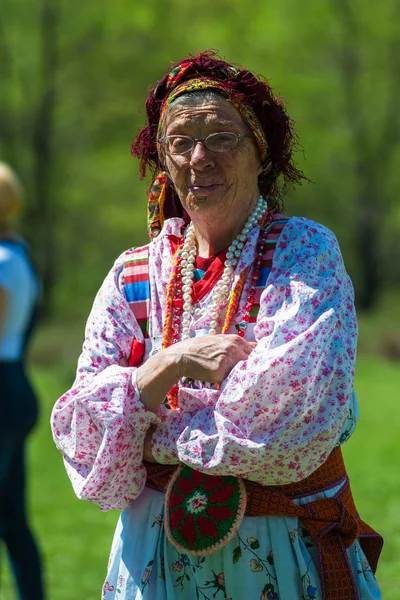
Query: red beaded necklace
174, 298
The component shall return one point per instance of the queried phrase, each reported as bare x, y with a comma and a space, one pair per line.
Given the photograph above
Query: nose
200, 157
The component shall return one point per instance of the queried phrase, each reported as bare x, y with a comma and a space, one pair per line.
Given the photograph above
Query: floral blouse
277, 415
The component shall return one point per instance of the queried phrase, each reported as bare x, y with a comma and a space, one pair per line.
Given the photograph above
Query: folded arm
99, 425
280, 412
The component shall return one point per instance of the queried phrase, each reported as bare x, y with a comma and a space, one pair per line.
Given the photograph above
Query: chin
195, 201
213, 196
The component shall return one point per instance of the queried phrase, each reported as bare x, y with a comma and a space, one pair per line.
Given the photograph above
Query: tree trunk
371, 160
44, 216
7, 118
367, 236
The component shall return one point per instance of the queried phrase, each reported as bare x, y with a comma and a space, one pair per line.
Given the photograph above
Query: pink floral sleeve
279, 414
99, 425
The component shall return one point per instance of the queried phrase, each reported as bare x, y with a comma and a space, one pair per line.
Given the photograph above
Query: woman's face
213, 185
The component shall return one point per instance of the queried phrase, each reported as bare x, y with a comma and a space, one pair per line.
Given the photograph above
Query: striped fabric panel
266, 264
137, 285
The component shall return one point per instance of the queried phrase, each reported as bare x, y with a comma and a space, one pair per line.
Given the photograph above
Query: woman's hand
210, 357
206, 358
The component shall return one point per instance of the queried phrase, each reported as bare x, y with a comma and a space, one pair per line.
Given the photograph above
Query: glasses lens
178, 144
221, 142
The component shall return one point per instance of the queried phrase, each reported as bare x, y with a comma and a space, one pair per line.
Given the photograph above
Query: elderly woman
216, 380
19, 289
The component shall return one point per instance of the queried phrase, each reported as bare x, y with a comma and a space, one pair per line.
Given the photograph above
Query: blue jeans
18, 413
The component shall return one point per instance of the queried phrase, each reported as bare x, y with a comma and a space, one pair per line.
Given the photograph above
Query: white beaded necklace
221, 290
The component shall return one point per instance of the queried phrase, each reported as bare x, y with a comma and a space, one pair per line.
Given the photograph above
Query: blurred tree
41, 213
29, 63
7, 122
373, 149
340, 60
73, 78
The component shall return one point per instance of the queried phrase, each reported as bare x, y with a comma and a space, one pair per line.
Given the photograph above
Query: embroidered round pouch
202, 512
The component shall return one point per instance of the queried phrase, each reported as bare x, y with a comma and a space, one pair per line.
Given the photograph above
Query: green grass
379, 331
372, 462
76, 536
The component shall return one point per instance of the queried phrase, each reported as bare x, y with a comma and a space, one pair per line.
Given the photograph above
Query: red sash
332, 523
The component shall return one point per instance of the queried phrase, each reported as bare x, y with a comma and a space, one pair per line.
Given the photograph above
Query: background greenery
73, 81
76, 536
74, 78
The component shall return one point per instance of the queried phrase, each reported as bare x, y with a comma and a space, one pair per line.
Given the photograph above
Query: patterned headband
236, 99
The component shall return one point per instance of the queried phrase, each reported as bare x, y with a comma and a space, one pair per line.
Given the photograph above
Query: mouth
204, 188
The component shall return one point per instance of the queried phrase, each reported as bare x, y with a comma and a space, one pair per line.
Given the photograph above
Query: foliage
74, 79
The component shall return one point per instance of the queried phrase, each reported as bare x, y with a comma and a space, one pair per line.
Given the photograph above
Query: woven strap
332, 523
137, 285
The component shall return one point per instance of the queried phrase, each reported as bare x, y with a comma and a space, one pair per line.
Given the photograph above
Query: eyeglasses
216, 142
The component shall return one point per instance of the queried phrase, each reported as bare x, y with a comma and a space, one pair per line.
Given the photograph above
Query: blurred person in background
19, 290
215, 387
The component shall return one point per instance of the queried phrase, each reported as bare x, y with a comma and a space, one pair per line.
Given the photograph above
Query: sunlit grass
75, 536
372, 462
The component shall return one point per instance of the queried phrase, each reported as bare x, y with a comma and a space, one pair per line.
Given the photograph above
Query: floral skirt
270, 558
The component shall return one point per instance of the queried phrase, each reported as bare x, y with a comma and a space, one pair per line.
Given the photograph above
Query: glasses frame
238, 136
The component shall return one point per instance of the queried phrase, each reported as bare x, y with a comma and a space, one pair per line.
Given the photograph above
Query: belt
332, 523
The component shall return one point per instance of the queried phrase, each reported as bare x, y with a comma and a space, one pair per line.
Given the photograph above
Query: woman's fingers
212, 357
209, 357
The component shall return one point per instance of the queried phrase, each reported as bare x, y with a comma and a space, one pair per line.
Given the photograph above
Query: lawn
75, 536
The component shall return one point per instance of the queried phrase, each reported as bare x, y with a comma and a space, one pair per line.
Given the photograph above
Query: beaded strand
173, 302
178, 311
260, 250
222, 288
